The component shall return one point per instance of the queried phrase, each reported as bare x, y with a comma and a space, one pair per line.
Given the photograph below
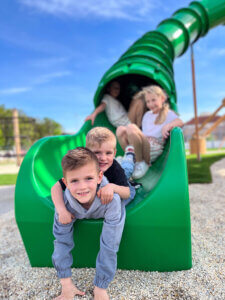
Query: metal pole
16, 131
195, 101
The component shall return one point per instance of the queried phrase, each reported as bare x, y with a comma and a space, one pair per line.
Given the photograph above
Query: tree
47, 127
6, 128
30, 129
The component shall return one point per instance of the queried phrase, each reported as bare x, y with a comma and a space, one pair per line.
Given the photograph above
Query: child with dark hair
116, 113
83, 178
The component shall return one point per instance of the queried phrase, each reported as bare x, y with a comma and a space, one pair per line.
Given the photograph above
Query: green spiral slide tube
157, 234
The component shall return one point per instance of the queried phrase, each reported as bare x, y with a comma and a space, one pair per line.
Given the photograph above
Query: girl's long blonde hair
158, 91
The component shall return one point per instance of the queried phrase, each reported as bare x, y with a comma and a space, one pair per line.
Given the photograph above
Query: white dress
153, 132
115, 111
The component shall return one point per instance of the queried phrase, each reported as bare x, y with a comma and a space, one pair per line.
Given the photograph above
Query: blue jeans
128, 167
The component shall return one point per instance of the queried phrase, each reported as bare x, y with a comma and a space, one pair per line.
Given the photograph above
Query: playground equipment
157, 234
201, 140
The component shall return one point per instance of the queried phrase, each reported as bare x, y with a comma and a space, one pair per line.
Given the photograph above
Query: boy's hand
65, 217
106, 194
166, 131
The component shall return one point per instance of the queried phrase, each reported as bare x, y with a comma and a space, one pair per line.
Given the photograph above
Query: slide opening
130, 84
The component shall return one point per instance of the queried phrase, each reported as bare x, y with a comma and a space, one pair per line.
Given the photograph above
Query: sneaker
136, 185
140, 169
129, 153
129, 149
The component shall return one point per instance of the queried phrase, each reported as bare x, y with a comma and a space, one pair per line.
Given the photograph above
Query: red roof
202, 119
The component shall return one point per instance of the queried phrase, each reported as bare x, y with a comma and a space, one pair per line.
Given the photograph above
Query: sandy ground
205, 281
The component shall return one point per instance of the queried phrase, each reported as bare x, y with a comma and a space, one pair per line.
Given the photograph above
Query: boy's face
105, 154
82, 182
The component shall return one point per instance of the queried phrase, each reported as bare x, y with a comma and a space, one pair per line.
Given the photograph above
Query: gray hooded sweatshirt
113, 214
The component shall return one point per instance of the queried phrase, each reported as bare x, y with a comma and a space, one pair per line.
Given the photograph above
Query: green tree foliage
30, 129
6, 129
48, 127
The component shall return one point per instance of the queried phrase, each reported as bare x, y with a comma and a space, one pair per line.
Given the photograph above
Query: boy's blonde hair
77, 158
158, 91
99, 135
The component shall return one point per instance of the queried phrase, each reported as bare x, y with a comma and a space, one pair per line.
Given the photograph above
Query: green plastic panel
158, 220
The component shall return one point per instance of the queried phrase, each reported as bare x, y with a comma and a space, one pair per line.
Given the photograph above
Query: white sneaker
140, 169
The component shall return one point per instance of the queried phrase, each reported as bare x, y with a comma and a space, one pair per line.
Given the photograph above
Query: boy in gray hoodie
83, 177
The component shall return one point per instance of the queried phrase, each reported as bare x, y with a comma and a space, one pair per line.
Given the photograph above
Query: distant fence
11, 156
10, 153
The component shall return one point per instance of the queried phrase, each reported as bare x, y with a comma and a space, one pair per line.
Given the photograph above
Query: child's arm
97, 111
168, 127
65, 216
106, 192
112, 229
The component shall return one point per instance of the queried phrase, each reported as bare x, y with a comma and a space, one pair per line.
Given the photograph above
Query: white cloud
38, 81
48, 77
123, 9
48, 62
15, 90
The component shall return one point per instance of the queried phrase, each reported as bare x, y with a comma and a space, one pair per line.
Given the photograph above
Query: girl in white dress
156, 126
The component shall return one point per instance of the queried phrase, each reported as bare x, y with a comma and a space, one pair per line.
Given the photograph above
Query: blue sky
54, 53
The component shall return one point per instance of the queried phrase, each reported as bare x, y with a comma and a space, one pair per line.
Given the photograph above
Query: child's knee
121, 130
132, 129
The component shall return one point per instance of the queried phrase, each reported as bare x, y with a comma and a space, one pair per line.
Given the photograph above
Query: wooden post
16, 131
212, 115
195, 102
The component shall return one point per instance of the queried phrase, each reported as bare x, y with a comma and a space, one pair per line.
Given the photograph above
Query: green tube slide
157, 233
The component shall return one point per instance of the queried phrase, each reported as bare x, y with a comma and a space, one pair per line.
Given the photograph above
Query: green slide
157, 234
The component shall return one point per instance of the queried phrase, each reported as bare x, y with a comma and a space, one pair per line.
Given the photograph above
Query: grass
213, 149
199, 171
8, 179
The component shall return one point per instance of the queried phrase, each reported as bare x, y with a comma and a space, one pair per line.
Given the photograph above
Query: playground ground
204, 281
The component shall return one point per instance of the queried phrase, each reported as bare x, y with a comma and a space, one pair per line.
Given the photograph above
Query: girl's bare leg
146, 149
136, 111
134, 136
121, 134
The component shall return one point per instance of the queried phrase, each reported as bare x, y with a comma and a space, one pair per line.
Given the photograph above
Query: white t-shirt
115, 111
149, 128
